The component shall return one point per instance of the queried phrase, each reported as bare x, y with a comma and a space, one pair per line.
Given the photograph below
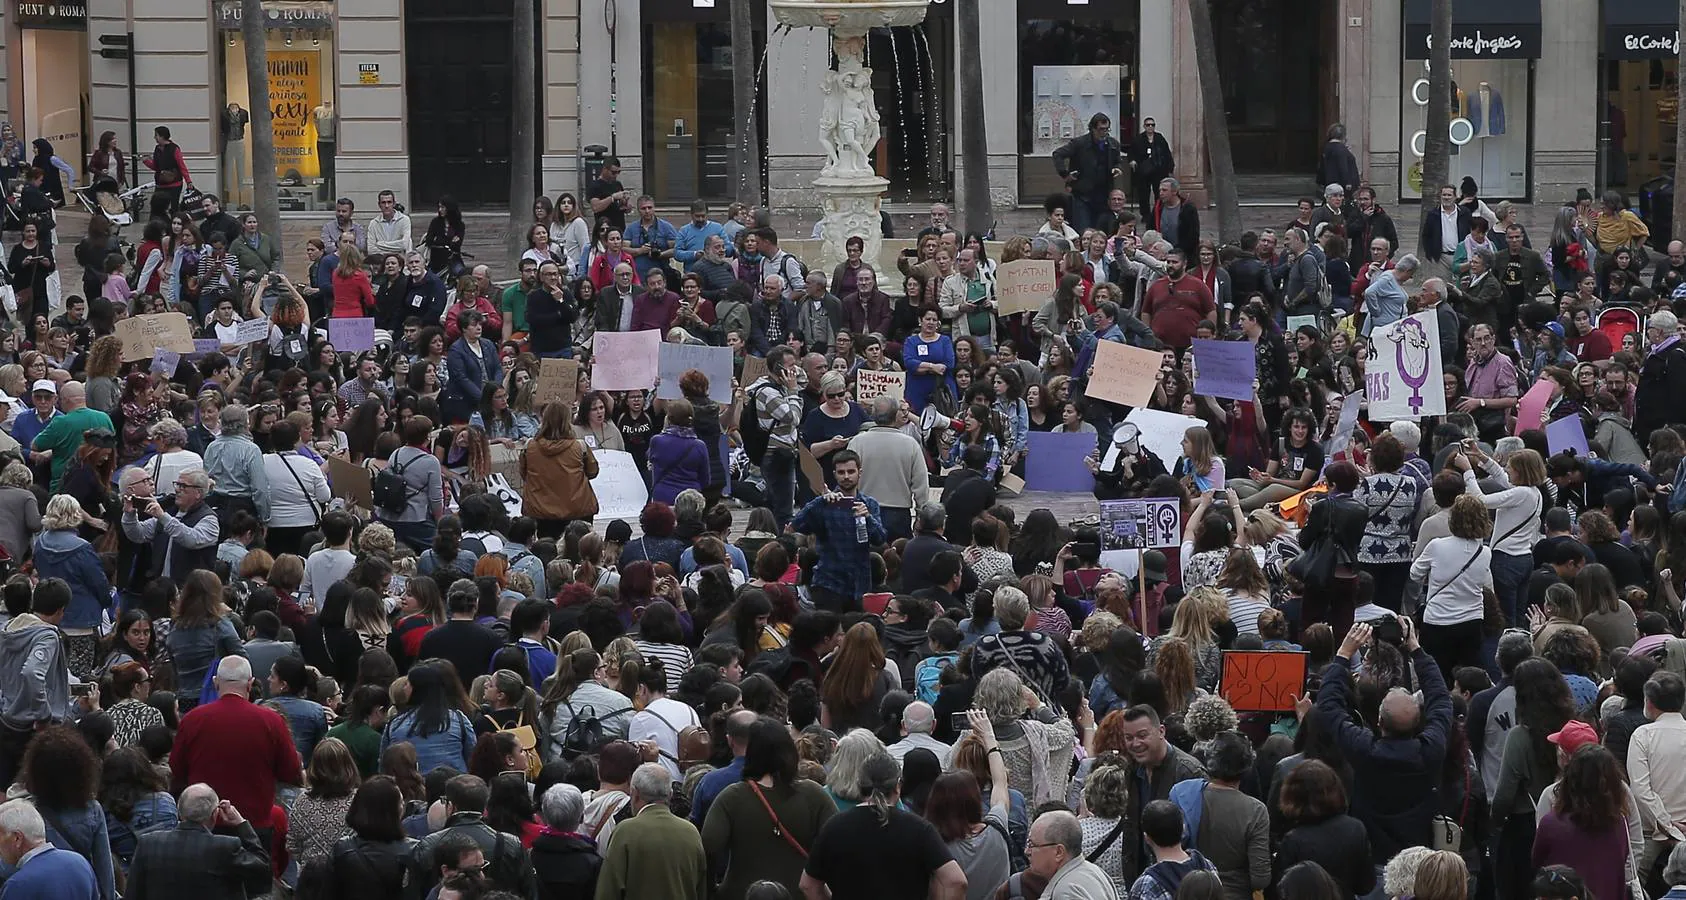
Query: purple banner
1054, 462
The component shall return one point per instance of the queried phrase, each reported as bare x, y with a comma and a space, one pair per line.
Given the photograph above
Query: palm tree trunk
266, 202
1218, 152
1437, 148
1679, 228
746, 158
975, 206
523, 126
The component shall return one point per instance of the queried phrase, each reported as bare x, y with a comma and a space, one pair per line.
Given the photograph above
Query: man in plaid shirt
844, 572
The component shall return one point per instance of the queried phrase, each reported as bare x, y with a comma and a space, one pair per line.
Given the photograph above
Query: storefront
53, 54
1494, 47
302, 101
1075, 60
1640, 72
686, 66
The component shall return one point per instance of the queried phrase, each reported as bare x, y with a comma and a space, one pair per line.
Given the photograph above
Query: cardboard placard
1053, 461
351, 482
1262, 680
1347, 422
1013, 483
1531, 409
251, 331
870, 384
164, 363
203, 347
812, 470
144, 335
1124, 374
1225, 369
352, 335
625, 361
1023, 285
674, 360
753, 368
1567, 434
559, 380
1162, 432
620, 490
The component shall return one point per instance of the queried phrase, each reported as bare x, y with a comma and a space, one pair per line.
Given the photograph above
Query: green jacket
261, 259
654, 854
363, 742
63, 435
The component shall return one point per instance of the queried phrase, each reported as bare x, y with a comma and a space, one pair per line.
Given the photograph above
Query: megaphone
1128, 436
931, 421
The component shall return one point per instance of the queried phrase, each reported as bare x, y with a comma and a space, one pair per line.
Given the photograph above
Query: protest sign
1162, 432
251, 330
350, 482
1023, 285
812, 470
872, 383
1262, 680
499, 487
203, 347
753, 368
1567, 434
1347, 422
1141, 524
625, 361
1531, 409
352, 335
674, 360
1053, 461
1295, 323
559, 380
1225, 369
144, 335
1402, 375
164, 362
619, 488
1124, 374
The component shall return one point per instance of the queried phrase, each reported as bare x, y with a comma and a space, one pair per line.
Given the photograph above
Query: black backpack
388, 490
584, 735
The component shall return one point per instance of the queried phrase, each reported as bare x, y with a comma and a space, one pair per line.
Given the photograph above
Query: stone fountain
849, 129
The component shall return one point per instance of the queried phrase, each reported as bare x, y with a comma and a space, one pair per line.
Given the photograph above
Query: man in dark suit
197, 861
1150, 163
1521, 271
1089, 164
1443, 227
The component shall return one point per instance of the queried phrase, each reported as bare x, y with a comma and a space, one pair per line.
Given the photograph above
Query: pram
122, 208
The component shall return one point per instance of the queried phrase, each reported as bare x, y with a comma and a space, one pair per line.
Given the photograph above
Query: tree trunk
746, 158
1678, 231
1437, 148
266, 202
975, 207
1218, 152
523, 125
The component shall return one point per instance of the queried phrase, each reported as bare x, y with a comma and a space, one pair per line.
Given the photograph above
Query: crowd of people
237, 676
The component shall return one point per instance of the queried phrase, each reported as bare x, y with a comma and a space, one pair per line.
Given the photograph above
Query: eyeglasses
1030, 845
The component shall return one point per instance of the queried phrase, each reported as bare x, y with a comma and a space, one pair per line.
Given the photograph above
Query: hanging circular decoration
1461, 131
1419, 92
1419, 143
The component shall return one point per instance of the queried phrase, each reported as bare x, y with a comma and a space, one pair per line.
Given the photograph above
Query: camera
959, 721
1388, 629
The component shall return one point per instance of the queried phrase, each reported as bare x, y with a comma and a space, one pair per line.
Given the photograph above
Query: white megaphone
932, 421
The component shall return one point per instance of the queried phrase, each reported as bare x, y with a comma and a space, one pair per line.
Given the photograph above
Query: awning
1641, 29
1480, 30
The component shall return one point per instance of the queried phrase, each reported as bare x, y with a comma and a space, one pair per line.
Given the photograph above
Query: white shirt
1454, 582
921, 741
648, 725
1449, 230
322, 569
1516, 512
1656, 767
289, 506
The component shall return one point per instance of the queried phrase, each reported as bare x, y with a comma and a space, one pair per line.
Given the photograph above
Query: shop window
1490, 125
689, 129
301, 92
1640, 113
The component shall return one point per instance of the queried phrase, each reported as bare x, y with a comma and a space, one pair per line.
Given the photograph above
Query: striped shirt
676, 660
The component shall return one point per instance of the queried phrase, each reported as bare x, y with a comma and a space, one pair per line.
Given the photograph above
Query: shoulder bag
778, 825
315, 513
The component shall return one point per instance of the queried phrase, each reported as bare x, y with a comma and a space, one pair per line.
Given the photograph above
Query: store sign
295, 90
64, 16
368, 73
1661, 41
279, 16
1519, 41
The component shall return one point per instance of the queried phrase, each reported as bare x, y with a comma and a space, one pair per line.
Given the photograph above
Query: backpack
1325, 297
775, 664
792, 284
388, 490
584, 735
750, 428
294, 347
694, 742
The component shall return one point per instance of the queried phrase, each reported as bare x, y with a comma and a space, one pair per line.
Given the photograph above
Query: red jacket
354, 297
242, 750
493, 330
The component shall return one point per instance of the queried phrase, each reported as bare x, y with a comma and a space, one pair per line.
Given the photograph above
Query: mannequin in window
327, 138
234, 170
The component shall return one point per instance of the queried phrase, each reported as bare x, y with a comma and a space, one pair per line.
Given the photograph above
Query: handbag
1447, 834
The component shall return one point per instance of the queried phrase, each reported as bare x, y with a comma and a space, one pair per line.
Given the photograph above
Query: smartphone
81, 689
396, 584
1086, 549
959, 722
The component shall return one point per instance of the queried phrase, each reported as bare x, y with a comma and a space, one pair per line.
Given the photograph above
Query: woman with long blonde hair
1518, 508
1196, 622
856, 682
1174, 664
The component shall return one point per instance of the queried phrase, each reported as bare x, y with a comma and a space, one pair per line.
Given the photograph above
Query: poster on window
295, 88
1066, 97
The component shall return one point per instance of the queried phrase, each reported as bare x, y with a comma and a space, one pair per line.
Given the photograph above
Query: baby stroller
120, 207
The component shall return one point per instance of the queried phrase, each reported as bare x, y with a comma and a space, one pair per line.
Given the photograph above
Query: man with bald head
919, 720
772, 318
893, 469
1672, 264
63, 435
1396, 772
239, 748
738, 726
615, 302
214, 853
1055, 851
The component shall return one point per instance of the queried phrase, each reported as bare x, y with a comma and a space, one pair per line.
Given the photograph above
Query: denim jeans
778, 467
1510, 585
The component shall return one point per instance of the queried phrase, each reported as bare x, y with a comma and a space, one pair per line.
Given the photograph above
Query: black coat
1431, 237
966, 495
370, 870
1361, 229
566, 866
1152, 158
194, 862
1339, 844
1338, 166
1090, 163
1656, 399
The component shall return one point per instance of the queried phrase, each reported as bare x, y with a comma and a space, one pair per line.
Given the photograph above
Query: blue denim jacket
306, 720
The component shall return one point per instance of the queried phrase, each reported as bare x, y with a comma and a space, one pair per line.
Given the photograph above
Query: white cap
45, 384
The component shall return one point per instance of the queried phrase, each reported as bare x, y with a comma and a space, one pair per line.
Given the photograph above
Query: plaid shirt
845, 565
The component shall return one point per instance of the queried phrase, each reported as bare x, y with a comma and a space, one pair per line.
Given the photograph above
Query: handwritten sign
625, 361
350, 482
1124, 374
1053, 461
558, 381
1023, 285
674, 360
619, 488
353, 335
870, 384
164, 362
251, 331
1225, 369
1567, 434
1262, 680
203, 347
1347, 422
753, 368
1531, 409
1141, 524
145, 335
1402, 376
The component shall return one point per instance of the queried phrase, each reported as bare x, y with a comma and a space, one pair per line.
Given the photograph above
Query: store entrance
55, 91
912, 81
1278, 78
458, 78
1639, 121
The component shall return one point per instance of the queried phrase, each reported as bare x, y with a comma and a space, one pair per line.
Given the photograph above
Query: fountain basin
849, 19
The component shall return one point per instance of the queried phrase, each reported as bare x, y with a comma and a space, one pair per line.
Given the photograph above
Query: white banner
620, 489
1402, 377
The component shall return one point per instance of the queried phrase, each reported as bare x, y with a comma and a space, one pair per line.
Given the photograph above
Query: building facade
414, 95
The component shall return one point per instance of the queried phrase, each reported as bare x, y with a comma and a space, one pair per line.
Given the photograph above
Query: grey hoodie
35, 684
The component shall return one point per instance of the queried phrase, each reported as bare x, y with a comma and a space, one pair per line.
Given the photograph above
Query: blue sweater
52, 874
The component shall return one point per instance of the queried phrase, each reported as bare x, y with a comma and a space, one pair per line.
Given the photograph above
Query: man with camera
182, 530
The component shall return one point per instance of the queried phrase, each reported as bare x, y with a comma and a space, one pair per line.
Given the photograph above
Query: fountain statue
849, 129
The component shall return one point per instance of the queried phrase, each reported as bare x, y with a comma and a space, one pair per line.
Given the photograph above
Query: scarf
1041, 786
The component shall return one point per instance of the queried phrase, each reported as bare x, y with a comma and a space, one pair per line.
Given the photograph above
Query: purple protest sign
1566, 434
1054, 462
164, 362
1224, 369
352, 335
